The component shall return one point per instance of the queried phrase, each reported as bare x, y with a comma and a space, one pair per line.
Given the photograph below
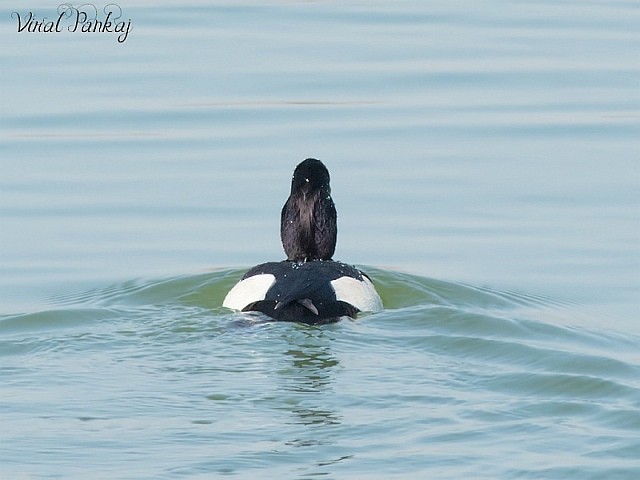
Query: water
153, 379
484, 160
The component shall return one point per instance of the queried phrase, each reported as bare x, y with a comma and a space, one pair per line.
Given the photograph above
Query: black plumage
308, 222
302, 291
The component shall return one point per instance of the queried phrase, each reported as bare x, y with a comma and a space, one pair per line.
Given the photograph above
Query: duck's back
309, 292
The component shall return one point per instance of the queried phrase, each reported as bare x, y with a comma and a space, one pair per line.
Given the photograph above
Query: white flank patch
249, 290
361, 295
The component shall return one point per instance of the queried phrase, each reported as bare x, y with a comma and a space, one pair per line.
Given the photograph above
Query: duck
308, 286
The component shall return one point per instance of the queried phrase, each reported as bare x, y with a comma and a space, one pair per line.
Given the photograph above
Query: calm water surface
485, 166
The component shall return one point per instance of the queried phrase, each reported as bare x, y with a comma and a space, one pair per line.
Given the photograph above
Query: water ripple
445, 368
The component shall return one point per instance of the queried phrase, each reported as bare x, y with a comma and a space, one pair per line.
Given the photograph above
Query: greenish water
153, 379
485, 168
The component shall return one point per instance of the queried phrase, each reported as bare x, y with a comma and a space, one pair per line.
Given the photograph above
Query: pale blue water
485, 162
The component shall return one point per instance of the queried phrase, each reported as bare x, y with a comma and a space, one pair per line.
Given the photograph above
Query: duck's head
310, 176
308, 221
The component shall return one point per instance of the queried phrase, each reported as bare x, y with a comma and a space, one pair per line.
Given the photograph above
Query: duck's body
309, 286
307, 292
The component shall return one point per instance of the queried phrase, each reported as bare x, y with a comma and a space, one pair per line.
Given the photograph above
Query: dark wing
289, 218
326, 227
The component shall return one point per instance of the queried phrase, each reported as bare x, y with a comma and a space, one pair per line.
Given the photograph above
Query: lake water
485, 162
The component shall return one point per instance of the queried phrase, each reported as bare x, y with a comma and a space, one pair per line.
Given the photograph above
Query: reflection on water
307, 382
314, 365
